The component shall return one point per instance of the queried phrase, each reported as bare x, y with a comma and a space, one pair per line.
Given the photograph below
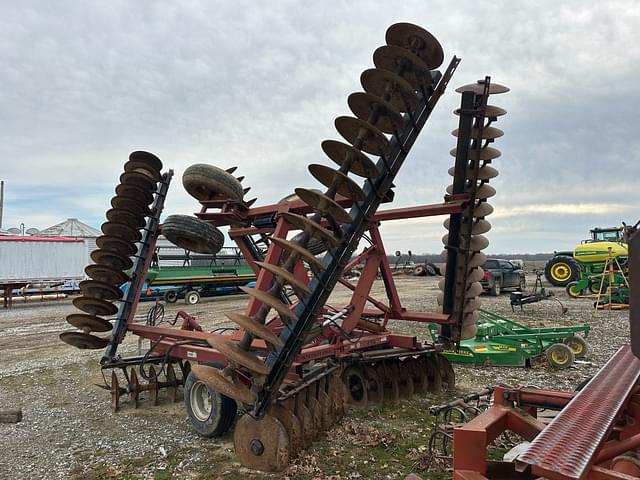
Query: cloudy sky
258, 85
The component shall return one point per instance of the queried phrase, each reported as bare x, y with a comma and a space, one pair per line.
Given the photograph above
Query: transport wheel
192, 234
559, 356
419, 271
206, 182
431, 269
192, 297
573, 291
561, 270
211, 413
578, 346
594, 287
171, 296
495, 289
356, 383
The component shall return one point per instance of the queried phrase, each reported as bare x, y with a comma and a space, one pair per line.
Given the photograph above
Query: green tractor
581, 270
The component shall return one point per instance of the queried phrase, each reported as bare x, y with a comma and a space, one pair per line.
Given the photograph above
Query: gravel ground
69, 430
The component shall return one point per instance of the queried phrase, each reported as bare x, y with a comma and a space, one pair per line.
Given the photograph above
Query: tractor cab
611, 234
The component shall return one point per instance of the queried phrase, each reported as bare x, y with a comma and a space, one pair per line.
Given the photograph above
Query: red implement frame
361, 328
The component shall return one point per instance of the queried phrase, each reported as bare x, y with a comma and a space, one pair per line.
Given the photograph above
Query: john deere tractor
581, 269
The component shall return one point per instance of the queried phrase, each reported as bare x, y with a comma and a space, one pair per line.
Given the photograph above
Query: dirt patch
69, 430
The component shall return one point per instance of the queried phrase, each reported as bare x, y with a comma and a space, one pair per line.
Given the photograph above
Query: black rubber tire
171, 296
570, 262
564, 354
431, 269
419, 271
495, 288
315, 246
580, 346
206, 182
223, 412
192, 234
571, 291
191, 297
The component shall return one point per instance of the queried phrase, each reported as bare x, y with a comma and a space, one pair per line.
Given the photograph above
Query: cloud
258, 85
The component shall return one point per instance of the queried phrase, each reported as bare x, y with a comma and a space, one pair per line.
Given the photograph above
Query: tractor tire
419, 271
192, 234
431, 269
206, 182
171, 296
578, 346
559, 356
561, 270
211, 413
495, 289
573, 291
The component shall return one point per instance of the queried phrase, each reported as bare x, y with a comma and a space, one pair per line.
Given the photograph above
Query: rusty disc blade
255, 328
403, 63
89, 323
472, 304
375, 390
95, 306
139, 180
149, 159
490, 111
418, 40
119, 215
482, 210
488, 133
280, 307
474, 290
479, 226
115, 244
287, 277
133, 204
111, 259
83, 341
487, 153
359, 163
484, 173
362, 135
324, 205
475, 275
306, 419
291, 423
468, 331
478, 242
122, 231
393, 88
478, 88
106, 274
101, 290
141, 194
296, 248
262, 444
309, 226
238, 355
366, 106
477, 260
485, 191
143, 168
330, 177
213, 378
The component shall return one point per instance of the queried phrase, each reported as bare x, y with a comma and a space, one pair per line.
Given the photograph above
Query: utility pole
1, 200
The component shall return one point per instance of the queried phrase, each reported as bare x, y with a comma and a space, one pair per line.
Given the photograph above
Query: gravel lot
69, 430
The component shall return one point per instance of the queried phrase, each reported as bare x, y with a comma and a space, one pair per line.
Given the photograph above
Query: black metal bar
139, 272
634, 300
463, 147
361, 212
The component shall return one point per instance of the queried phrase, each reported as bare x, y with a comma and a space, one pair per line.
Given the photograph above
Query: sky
258, 85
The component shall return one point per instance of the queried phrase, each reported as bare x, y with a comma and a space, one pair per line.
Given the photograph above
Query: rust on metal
89, 323
216, 380
364, 105
417, 39
280, 307
371, 139
330, 177
300, 288
83, 341
94, 306
359, 163
323, 205
257, 329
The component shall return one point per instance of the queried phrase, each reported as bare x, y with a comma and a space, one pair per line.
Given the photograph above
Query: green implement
504, 342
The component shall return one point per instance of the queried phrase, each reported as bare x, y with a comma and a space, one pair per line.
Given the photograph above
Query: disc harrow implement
293, 362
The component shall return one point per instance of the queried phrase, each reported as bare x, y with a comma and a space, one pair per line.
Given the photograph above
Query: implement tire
192, 234
559, 356
206, 182
561, 270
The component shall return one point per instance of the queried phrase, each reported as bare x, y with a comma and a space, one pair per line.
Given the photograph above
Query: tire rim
200, 400
561, 272
559, 357
192, 299
575, 346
